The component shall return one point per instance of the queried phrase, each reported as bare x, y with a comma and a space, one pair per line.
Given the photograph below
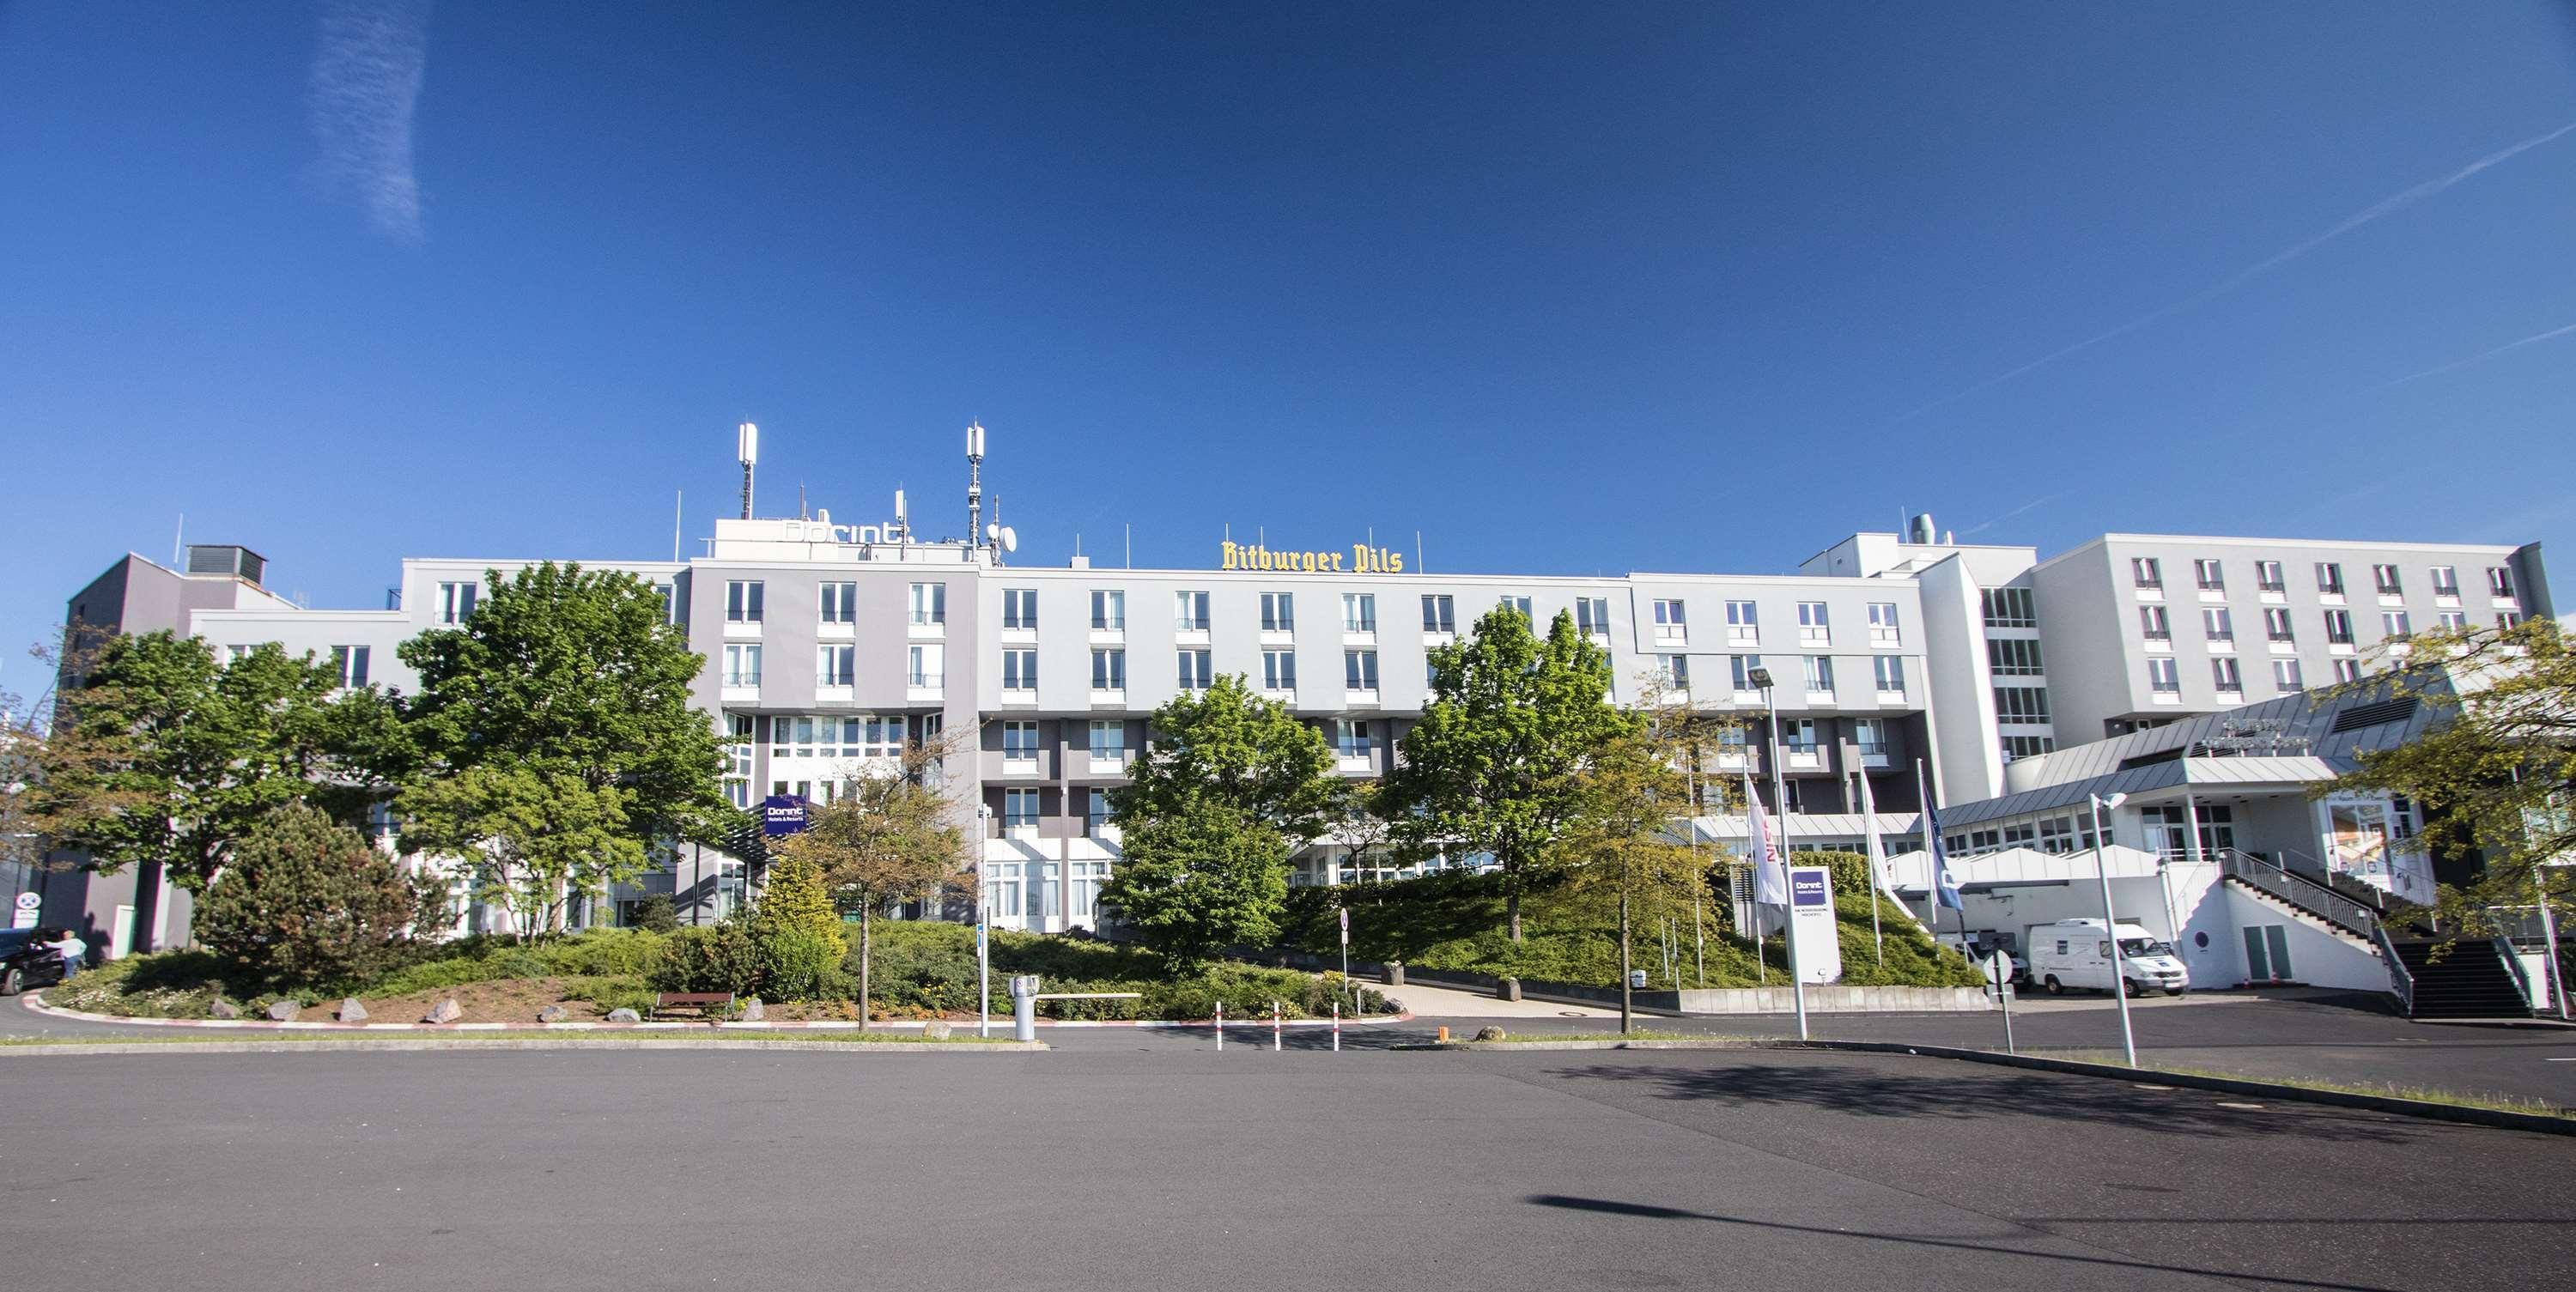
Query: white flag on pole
1770, 872
1869, 827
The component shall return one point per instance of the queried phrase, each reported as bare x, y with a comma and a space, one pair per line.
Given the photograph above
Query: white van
2073, 953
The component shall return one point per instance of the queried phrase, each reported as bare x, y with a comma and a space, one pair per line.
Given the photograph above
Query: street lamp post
2111, 922
1761, 677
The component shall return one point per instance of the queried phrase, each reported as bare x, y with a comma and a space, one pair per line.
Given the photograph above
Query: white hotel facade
828, 644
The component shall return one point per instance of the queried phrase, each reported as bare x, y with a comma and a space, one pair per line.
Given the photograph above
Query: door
2267, 953
120, 936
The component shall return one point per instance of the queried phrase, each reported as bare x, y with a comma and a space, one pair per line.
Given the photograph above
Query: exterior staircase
2283, 887
2476, 980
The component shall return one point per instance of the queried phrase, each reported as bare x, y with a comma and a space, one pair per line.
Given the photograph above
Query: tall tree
1495, 764
309, 900
569, 683
1231, 746
2496, 770
892, 836
163, 754
1620, 850
1197, 878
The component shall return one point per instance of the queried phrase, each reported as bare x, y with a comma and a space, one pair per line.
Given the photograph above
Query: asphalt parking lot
1177, 1167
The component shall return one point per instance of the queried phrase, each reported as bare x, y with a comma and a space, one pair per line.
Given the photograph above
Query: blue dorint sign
782, 814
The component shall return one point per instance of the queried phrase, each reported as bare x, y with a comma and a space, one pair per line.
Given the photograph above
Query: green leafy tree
1496, 763
1620, 850
1198, 877
160, 753
527, 841
795, 932
307, 900
892, 837
1231, 746
2495, 770
653, 914
553, 733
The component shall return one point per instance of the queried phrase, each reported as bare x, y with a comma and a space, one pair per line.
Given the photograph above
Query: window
1020, 742
1743, 673
2276, 625
1743, 621
1812, 625
1108, 610
1670, 626
1108, 740
1676, 668
2268, 577
1194, 670
2506, 619
1019, 670
1521, 604
1351, 738
2500, 582
2224, 673
1020, 608
743, 601
1798, 735
2384, 579
2218, 625
1190, 612
2146, 572
2153, 624
1359, 670
1109, 670
456, 601
1882, 624
2446, 580
1278, 612
670, 602
2339, 627
737, 753
742, 664
1095, 815
2163, 677
835, 665
2285, 675
838, 603
1820, 675
1439, 614
1359, 612
2347, 670
2028, 747
2013, 657
1889, 672
2395, 623
2209, 574
350, 662
930, 603
926, 666
2455, 621
1592, 616
2010, 608
1019, 809
2329, 579
1871, 735
1279, 670
2021, 704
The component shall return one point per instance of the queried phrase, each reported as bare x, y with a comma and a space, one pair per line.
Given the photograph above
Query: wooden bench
705, 1002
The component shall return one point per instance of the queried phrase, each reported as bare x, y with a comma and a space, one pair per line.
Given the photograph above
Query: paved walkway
1449, 1002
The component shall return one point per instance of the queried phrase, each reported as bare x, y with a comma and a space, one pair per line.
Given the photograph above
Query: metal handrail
2307, 895
2399, 976
2513, 964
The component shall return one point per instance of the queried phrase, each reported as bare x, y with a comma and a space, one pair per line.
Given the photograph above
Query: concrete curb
2422, 1108
514, 1043
35, 1001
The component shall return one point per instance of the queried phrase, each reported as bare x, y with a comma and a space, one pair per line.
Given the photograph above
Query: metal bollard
1337, 1027
1024, 1007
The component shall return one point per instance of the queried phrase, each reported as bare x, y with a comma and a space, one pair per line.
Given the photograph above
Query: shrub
306, 901
714, 958
602, 952
654, 915
796, 942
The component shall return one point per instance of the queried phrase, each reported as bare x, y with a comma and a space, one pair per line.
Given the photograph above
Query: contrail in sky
2385, 206
366, 83
2534, 339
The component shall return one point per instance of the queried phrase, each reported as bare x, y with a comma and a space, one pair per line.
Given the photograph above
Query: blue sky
1565, 288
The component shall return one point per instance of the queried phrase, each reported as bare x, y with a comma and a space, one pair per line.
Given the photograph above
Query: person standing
73, 950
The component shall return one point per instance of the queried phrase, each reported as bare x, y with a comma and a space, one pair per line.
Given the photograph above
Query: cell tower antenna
746, 438
974, 483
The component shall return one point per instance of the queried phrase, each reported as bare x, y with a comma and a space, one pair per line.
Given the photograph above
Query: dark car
26, 962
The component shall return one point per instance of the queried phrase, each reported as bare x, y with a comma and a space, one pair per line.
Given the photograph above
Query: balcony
1109, 762
926, 686
927, 630
1803, 760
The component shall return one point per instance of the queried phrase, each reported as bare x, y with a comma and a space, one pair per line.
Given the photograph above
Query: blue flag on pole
1945, 889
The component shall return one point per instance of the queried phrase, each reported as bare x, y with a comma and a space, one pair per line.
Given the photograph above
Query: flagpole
1869, 822
1755, 836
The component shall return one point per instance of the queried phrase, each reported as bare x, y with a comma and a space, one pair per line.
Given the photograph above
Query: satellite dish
992, 533
1010, 539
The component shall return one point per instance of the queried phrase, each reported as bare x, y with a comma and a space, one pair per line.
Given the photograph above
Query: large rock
753, 1011
937, 1030
553, 1014
1489, 1034
445, 1011
623, 1015
223, 1009
351, 1011
284, 1011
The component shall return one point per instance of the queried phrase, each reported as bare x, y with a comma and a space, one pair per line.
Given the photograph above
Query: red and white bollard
1274, 1027
1337, 1027
1220, 1026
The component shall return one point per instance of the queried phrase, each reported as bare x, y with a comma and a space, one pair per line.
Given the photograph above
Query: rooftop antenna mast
974, 483
746, 438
